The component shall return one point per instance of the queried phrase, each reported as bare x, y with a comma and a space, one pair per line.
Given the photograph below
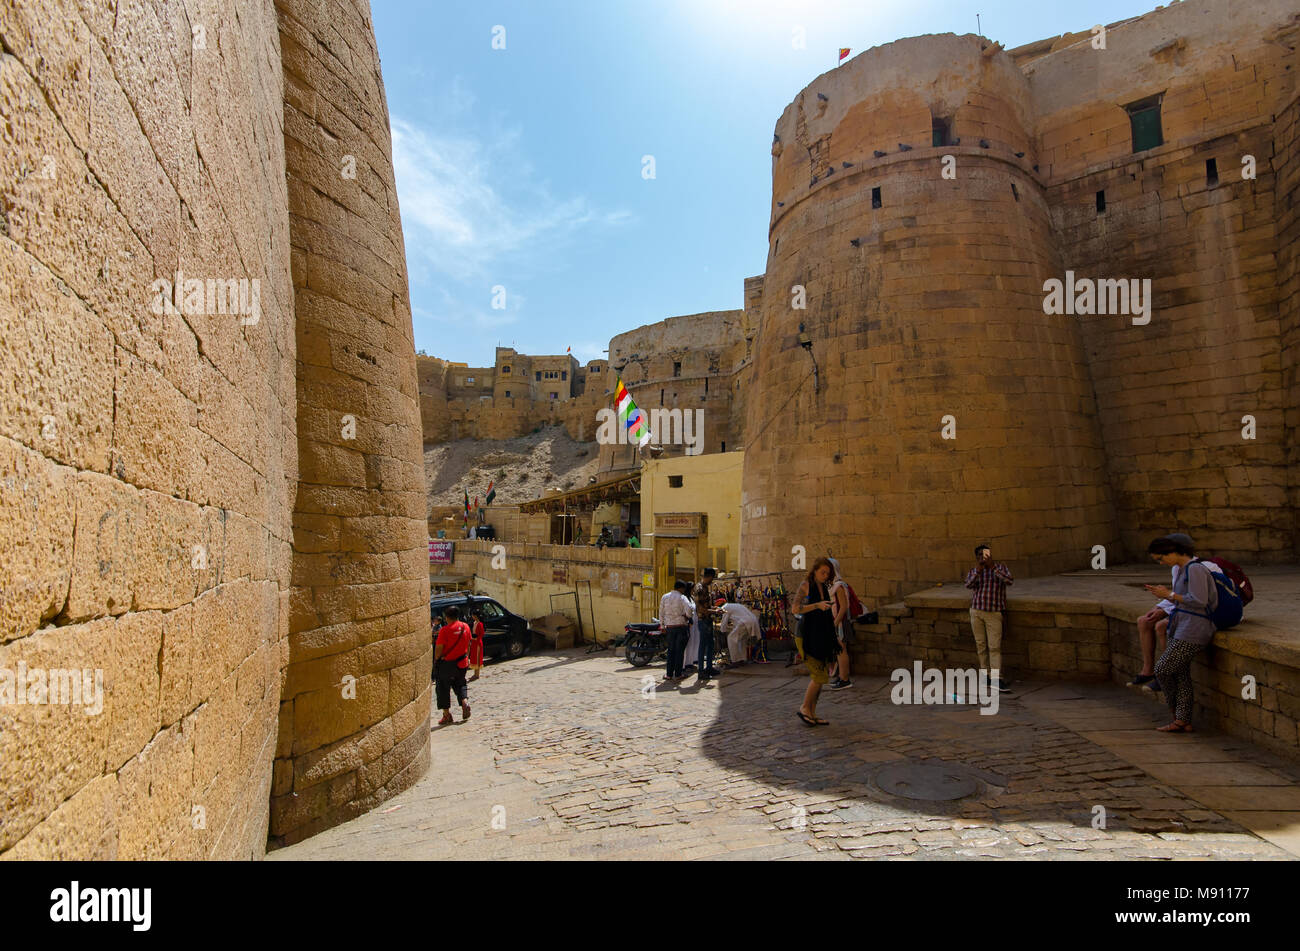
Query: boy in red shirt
450, 659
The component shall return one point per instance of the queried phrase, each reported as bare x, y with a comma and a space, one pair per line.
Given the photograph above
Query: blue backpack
1226, 611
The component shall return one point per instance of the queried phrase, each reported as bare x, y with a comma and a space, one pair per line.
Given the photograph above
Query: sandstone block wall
152, 521
145, 512
1172, 394
532, 573
926, 307
360, 585
925, 301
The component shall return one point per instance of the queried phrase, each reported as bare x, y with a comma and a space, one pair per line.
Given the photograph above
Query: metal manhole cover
924, 781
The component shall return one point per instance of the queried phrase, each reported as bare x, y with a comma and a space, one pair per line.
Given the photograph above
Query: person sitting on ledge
1152, 625
1193, 596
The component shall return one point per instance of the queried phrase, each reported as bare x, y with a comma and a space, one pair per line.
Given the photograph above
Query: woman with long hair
815, 605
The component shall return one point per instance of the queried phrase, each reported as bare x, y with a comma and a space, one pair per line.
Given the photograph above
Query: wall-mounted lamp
805, 341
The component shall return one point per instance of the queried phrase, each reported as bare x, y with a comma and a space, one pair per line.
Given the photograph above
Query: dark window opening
1211, 173
674, 482
1015, 191
724, 447
1101, 201
706, 384
539, 374
1144, 118
875, 197
564, 374
661, 397
940, 131
677, 369
505, 369
507, 394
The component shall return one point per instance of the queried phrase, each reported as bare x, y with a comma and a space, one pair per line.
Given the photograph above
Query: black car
504, 632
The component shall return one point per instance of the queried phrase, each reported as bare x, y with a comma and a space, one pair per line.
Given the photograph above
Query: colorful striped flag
631, 417
491, 494
844, 51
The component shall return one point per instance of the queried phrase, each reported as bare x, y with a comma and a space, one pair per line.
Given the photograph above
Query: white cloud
456, 219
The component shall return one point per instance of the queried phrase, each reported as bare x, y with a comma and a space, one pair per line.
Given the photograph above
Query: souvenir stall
766, 596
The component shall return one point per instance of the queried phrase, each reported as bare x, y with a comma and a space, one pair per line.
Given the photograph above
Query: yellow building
708, 483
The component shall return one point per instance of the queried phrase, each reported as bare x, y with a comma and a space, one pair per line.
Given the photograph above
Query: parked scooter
643, 643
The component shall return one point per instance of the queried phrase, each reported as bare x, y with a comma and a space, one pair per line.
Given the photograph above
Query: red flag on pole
844, 52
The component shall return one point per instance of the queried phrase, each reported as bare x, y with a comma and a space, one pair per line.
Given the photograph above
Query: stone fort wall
686, 363
180, 509
926, 301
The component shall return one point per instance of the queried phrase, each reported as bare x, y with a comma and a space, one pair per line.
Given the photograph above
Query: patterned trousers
1174, 671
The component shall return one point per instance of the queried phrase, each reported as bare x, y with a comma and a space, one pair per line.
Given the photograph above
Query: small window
564, 374
724, 447
677, 369
1144, 118
507, 394
555, 396
469, 379
875, 197
1101, 201
595, 369
539, 375
940, 131
505, 369
1211, 173
674, 482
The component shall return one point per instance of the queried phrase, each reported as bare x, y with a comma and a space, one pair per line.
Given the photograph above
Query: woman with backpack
815, 606
843, 627
1194, 596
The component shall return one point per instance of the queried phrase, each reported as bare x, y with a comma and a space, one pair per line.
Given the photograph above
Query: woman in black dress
820, 645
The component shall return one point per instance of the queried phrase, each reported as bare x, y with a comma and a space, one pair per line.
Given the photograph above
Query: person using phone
988, 581
813, 603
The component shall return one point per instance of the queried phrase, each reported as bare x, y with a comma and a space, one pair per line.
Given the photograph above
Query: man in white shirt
676, 611
1153, 624
740, 624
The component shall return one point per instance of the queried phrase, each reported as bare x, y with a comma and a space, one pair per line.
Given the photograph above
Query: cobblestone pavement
566, 756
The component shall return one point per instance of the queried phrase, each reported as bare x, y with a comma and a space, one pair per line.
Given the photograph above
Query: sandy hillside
523, 467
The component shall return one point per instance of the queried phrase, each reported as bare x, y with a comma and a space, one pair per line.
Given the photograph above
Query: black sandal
1141, 679
808, 721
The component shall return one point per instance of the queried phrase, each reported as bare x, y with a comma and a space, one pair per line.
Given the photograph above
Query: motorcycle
642, 643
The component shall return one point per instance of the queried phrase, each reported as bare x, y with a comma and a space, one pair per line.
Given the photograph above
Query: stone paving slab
565, 757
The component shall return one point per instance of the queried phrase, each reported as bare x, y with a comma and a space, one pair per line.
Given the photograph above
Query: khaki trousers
987, 627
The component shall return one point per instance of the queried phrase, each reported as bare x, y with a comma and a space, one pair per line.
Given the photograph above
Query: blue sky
522, 167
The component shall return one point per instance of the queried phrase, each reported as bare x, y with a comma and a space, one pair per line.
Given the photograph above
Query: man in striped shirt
988, 580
